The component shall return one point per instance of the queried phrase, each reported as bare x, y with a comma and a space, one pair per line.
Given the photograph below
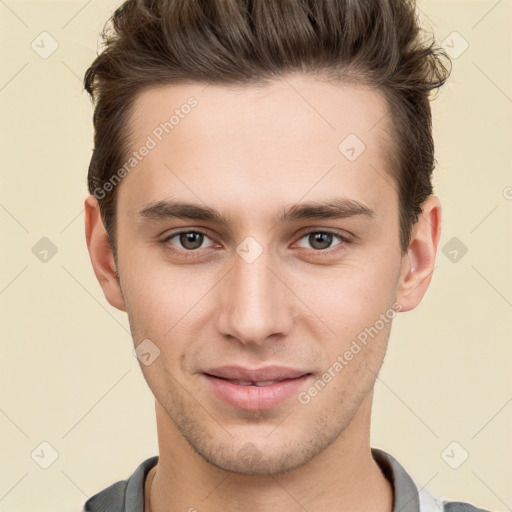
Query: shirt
128, 495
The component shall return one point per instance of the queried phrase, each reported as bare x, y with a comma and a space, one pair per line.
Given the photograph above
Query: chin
252, 460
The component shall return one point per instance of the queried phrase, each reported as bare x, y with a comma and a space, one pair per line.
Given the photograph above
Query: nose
255, 303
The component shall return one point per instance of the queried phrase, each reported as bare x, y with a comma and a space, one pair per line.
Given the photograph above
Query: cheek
351, 296
158, 304
166, 304
149, 293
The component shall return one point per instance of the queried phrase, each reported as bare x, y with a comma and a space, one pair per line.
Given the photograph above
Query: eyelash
196, 253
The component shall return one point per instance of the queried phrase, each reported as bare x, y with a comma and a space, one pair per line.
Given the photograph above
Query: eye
188, 240
188, 243
322, 240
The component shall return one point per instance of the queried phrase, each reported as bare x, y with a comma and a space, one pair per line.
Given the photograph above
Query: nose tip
252, 303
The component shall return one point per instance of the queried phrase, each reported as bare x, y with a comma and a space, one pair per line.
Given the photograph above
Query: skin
250, 152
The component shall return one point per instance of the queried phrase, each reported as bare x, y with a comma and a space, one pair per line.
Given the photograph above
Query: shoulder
413, 497
124, 495
459, 506
110, 499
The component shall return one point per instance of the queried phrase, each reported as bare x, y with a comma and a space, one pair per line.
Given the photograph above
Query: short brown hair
242, 42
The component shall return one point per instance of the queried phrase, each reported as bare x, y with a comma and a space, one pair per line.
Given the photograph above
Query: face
249, 238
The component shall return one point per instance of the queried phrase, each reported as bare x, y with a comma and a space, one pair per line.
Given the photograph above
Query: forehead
330, 110
247, 145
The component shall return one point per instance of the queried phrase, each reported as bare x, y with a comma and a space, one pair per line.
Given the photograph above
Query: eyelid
342, 234
172, 235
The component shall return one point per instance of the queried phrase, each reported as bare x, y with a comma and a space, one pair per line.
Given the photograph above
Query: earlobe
100, 252
418, 263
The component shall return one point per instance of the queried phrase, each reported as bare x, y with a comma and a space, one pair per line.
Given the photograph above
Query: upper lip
264, 374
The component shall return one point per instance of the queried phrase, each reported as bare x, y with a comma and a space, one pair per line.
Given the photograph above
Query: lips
260, 376
257, 389
252, 383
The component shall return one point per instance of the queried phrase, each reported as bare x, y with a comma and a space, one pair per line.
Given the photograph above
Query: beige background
68, 374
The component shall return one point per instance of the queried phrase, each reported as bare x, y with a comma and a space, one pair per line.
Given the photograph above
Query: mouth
250, 383
255, 395
263, 375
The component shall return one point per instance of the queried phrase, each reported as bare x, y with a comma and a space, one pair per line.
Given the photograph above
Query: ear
100, 252
418, 263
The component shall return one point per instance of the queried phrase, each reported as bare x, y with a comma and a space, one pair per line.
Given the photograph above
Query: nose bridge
252, 305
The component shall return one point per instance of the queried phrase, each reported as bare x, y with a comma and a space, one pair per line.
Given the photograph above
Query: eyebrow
337, 208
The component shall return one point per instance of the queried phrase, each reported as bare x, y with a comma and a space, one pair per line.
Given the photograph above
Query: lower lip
255, 398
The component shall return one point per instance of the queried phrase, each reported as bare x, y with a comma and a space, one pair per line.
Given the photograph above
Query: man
261, 207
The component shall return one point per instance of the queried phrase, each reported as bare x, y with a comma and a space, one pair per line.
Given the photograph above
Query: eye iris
325, 240
192, 237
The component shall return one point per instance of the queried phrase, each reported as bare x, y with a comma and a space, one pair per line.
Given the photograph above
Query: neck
341, 478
